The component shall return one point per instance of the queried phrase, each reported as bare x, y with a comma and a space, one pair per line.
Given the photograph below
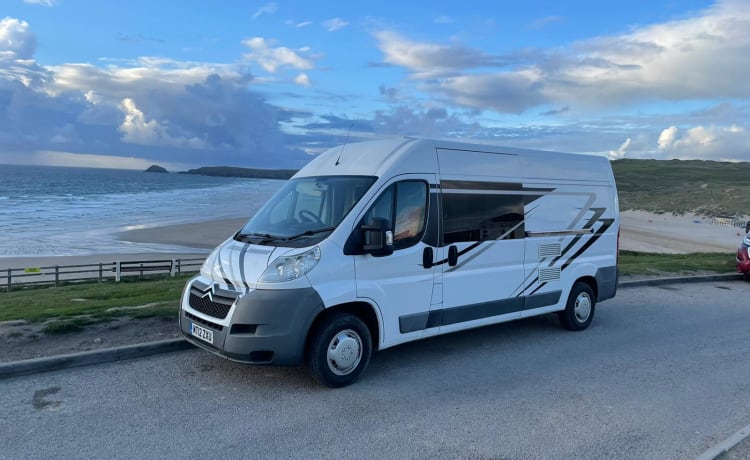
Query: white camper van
379, 243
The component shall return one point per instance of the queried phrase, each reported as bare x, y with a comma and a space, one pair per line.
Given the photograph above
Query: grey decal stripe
242, 266
221, 269
455, 315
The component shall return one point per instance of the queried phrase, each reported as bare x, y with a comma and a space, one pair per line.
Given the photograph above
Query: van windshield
305, 210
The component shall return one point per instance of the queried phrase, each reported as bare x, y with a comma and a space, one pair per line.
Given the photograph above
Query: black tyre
339, 350
579, 311
747, 276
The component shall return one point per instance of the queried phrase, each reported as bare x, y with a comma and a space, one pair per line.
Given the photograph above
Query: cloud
554, 112
619, 153
704, 56
713, 142
541, 23
302, 24
302, 80
16, 39
271, 59
41, 2
443, 20
268, 8
194, 113
136, 129
667, 137
334, 24
429, 60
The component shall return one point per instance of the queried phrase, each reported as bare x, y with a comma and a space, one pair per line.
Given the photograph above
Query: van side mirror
378, 239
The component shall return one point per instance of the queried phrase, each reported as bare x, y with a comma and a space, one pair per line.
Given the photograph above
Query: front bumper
264, 327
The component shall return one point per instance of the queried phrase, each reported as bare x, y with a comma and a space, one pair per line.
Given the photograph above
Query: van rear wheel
339, 350
579, 311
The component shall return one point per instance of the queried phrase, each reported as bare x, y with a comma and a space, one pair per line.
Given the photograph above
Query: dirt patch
24, 340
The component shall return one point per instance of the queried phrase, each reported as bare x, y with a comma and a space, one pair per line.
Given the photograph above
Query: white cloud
720, 143
16, 39
302, 24
271, 59
700, 57
619, 153
429, 60
334, 24
667, 137
41, 2
136, 129
302, 80
443, 20
268, 8
541, 23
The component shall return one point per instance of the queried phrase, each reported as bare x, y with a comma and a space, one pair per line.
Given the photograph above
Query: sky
271, 84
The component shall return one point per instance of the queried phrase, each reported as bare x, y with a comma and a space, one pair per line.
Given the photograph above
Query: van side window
481, 217
404, 205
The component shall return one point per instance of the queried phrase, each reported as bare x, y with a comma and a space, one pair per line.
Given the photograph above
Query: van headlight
287, 268
211, 268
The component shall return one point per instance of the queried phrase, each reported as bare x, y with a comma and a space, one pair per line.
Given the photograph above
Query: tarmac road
662, 373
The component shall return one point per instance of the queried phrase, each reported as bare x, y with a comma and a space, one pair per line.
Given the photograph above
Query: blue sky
268, 84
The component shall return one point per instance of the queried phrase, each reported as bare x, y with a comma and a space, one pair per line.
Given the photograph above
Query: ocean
59, 211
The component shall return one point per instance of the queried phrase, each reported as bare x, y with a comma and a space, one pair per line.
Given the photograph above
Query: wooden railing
56, 275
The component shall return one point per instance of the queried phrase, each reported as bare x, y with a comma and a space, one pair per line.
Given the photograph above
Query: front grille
203, 322
209, 307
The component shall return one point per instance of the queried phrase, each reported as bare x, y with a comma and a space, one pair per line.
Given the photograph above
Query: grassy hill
677, 186
232, 171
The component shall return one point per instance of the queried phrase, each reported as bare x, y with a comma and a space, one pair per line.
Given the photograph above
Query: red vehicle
743, 257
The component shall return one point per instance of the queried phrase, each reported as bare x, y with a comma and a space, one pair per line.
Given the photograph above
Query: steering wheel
308, 216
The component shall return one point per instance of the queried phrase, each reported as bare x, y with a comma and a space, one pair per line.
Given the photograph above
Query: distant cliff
156, 169
230, 171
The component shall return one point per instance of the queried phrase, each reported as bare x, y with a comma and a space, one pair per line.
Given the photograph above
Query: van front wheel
339, 350
579, 311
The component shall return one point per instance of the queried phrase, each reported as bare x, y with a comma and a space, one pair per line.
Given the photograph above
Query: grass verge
92, 302
644, 263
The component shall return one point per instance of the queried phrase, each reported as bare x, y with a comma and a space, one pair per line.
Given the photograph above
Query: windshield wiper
246, 237
309, 233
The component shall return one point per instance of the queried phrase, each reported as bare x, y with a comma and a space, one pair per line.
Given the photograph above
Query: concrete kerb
54, 363
85, 358
681, 280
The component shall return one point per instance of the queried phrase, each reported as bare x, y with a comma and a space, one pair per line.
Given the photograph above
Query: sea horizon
64, 210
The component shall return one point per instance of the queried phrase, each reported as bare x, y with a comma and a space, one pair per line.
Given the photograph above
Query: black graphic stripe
606, 223
242, 266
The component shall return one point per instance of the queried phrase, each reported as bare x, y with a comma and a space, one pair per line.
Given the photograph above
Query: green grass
94, 301
642, 263
678, 186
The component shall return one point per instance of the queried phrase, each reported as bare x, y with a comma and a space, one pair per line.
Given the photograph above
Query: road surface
662, 373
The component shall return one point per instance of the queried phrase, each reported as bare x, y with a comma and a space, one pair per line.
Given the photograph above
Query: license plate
207, 335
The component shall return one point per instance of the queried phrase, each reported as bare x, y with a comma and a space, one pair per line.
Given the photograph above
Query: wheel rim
344, 352
582, 307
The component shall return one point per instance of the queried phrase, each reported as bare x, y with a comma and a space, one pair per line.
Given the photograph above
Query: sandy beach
197, 239
640, 231
664, 233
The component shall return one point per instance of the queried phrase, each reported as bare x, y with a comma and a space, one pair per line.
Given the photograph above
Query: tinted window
404, 205
480, 217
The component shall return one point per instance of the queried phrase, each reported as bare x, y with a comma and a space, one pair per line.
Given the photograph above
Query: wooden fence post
9, 279
100, 272
117, 271
57, 275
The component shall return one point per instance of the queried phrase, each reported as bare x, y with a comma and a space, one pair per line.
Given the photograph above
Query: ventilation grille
549, 250
549, 274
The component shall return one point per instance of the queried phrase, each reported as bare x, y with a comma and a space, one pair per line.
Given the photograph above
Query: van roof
417, 155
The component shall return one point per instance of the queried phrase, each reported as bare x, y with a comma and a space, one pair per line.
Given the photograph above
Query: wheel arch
363, 310
592, 283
